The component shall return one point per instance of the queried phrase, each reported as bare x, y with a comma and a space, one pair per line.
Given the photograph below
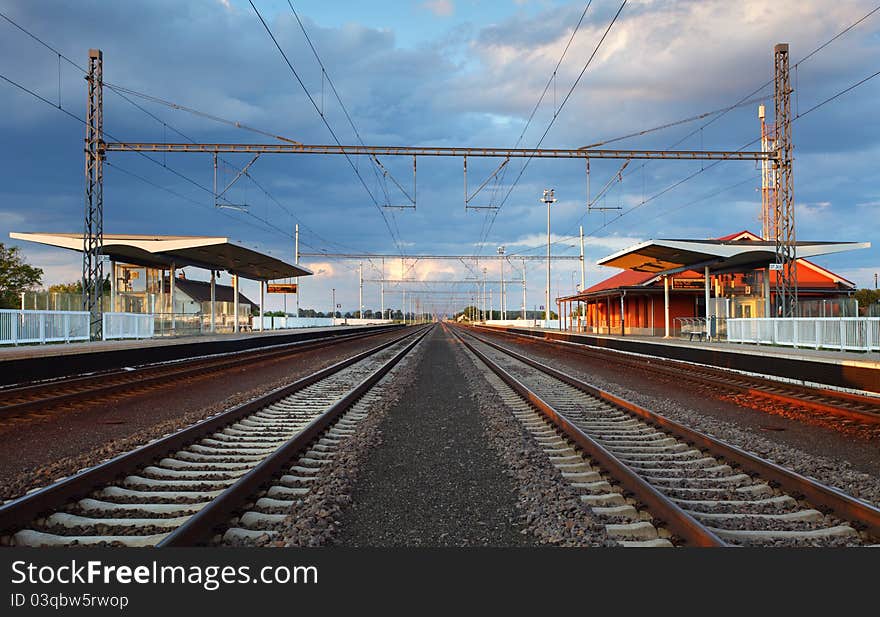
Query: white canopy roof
208, 252
720, 255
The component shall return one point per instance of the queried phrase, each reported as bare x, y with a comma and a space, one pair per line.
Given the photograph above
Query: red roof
745, 234
627, 278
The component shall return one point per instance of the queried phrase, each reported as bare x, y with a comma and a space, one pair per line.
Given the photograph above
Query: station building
740, 285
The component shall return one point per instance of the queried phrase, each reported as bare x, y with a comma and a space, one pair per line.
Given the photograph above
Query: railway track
179, 490
691, 488
18, 400
848, 406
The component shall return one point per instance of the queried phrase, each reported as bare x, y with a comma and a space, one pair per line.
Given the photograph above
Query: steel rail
552, 153
674, 517
54, 496
201, 526
836, 403
845, 506
137, 378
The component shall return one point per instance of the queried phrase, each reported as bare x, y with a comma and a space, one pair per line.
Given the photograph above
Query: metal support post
708, 291
786, 239
361, 291
235, 327
173, 272
213, 301
262, 310
93, 228
666, 305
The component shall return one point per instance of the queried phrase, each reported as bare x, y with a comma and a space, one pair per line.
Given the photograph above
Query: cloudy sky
439, 72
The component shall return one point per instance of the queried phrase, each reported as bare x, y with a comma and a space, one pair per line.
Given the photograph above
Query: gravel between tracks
59, 443
434, 481
831, 467
550, 509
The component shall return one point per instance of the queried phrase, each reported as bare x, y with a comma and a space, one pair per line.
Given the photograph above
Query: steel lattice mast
786, 287
93, 232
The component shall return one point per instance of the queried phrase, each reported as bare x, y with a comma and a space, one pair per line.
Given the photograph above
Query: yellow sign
281, 288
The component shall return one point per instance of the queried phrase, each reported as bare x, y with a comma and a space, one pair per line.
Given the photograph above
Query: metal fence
128, 325
842, 333
18, 327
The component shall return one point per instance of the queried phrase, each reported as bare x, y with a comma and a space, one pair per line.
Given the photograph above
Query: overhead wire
357, 172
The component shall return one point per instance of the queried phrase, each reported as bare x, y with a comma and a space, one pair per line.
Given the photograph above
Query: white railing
839, 333
43, 326
128, 325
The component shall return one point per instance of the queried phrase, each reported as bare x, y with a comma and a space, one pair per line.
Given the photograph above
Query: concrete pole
502, 287
382, 288
767, 293
404, 307
296, 262
583, 266
707, 290
491, 305
524, 289
213, 301
666, 304
547, 294
333, 308
361, 290
622, 315
235, 326
262, 309
173, 276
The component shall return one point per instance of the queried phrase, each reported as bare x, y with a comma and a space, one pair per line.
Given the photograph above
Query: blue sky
448, 72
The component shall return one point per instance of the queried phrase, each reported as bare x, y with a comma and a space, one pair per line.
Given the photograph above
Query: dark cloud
475, 85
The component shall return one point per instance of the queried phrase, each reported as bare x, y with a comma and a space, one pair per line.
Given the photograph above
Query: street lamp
548, 198
501, 252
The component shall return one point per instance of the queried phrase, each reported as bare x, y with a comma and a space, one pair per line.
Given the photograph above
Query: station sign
688, 283
281, 288
776, 266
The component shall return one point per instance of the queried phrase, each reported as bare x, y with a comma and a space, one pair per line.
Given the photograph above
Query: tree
16, 276
866, 297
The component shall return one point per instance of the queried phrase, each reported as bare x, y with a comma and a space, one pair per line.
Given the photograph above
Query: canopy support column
235, 327
666, 305
262, 318
708, 291
213, 301
171, 293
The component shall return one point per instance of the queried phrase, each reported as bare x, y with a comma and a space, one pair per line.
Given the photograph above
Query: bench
700, 334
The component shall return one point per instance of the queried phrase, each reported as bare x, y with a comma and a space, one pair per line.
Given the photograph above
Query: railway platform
40, 362
847, 370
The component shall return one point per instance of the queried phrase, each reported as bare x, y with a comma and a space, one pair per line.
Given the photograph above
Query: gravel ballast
433, 481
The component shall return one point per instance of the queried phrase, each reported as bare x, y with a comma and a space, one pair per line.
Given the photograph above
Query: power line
748, 96
556, 113
327, 124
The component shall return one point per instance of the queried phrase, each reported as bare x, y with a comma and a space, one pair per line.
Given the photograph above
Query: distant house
195, 297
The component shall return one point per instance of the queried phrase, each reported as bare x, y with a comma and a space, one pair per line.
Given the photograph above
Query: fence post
794, 332
868, 334
842, 335
42, 329
66, 328
775, 332
15, 319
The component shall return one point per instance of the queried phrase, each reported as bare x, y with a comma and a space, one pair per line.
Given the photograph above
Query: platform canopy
208, 252
670, 256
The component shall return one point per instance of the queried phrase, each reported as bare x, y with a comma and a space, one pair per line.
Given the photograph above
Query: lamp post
501, 252
548, 198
